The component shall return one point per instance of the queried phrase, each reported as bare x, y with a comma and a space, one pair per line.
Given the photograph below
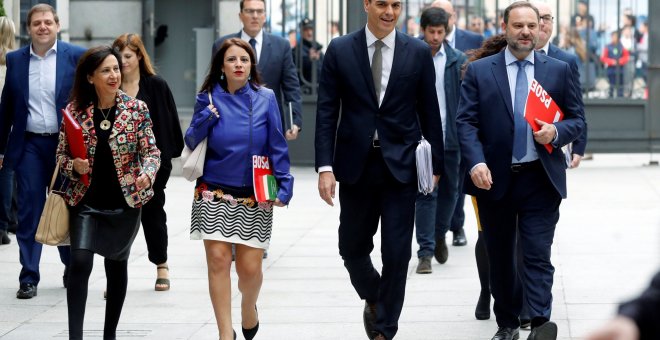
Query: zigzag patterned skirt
220, 215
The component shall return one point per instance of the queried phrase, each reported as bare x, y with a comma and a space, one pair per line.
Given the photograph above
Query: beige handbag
53, 228
193, 160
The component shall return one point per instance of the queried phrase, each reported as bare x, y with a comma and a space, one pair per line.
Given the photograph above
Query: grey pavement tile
601, 256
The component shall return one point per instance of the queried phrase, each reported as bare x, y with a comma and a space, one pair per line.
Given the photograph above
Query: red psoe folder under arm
74, 137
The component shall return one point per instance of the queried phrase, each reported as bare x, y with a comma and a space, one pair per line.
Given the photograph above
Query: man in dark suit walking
545, 32
517, 183
274, 62
378, 81
38, 82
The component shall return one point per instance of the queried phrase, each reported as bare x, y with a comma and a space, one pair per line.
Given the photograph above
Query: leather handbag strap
52, 180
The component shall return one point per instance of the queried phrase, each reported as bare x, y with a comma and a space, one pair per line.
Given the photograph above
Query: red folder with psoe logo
542, 107
74, 137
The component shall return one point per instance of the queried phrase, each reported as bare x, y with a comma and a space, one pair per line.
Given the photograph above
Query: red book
541, 106
265, 185
74, 137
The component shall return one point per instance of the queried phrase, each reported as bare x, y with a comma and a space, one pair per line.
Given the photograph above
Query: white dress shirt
451, 37
512, 73
440, 61
260, 41
388, 57
42, 111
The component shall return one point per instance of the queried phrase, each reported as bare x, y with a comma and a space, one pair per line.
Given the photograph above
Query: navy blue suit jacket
15, 94
277, 72
466, 40
580, 144
455, 60
485, 120
348, 112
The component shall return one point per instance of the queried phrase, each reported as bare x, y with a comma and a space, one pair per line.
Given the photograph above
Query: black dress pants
377, 195
154, 218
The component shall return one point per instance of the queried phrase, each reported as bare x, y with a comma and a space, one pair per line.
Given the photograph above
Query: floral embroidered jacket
133, 148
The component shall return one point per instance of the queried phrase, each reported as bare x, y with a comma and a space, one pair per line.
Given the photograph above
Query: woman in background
139, 80
122, 161
241, 120
7, 214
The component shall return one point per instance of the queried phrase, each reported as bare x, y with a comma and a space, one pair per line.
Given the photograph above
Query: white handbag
193, 160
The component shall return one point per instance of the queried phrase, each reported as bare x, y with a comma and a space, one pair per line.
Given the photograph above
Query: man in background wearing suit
377, 81
433, 212
545, 32
38, 82
463, 41
274, 62
517, 183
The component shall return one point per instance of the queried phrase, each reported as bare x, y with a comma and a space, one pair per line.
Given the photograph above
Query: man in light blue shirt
433, 212
38, 81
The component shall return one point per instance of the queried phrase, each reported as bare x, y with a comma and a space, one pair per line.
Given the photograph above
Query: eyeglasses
548, 19
252, 11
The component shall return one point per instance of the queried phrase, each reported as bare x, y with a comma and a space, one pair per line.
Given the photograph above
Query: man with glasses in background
274, 62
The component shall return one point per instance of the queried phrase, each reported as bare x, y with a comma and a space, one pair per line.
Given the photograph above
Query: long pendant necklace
105, 123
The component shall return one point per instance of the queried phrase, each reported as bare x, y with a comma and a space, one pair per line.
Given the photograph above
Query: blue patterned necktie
253, 43
521, 126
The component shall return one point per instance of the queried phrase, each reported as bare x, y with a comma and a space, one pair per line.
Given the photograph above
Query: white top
440, 61
42, 117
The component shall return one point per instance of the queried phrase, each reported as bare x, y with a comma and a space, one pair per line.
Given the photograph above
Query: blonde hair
7, 38
134, 43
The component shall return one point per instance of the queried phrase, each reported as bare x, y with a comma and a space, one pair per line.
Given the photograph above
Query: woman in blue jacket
241, 120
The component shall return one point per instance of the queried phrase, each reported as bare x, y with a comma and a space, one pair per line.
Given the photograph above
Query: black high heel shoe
250, 333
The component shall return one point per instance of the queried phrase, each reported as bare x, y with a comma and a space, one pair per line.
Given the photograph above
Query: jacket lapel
25, 69
362, 56
540, 68
122, 116
502, 81
265, 52
60, 67
398, 64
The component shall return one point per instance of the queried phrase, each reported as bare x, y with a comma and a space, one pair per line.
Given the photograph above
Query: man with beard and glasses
517, 183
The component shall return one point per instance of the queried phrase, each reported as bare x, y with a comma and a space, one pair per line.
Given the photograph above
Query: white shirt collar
259, 38
509, 58
388, 40
451, 35
53, 49
441, 50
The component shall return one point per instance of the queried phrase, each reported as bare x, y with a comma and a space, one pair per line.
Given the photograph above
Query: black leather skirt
109, 233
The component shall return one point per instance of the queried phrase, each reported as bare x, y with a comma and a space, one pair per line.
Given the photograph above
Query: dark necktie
253, 43
520, 124
377, 67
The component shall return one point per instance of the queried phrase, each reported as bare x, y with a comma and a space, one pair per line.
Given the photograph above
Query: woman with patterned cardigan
121, 165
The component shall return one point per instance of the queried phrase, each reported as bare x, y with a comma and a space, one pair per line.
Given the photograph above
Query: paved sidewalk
607, 246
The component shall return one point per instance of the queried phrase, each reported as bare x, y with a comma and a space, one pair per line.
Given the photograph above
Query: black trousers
154, 218
528, 213
378, 196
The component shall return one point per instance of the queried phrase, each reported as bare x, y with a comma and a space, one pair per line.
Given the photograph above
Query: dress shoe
65, 277
249, 333
441, 252
424, 265
525, 323
459, 238
369, 318
4, 238
506, 333
27, 291
482, 312
547, 331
